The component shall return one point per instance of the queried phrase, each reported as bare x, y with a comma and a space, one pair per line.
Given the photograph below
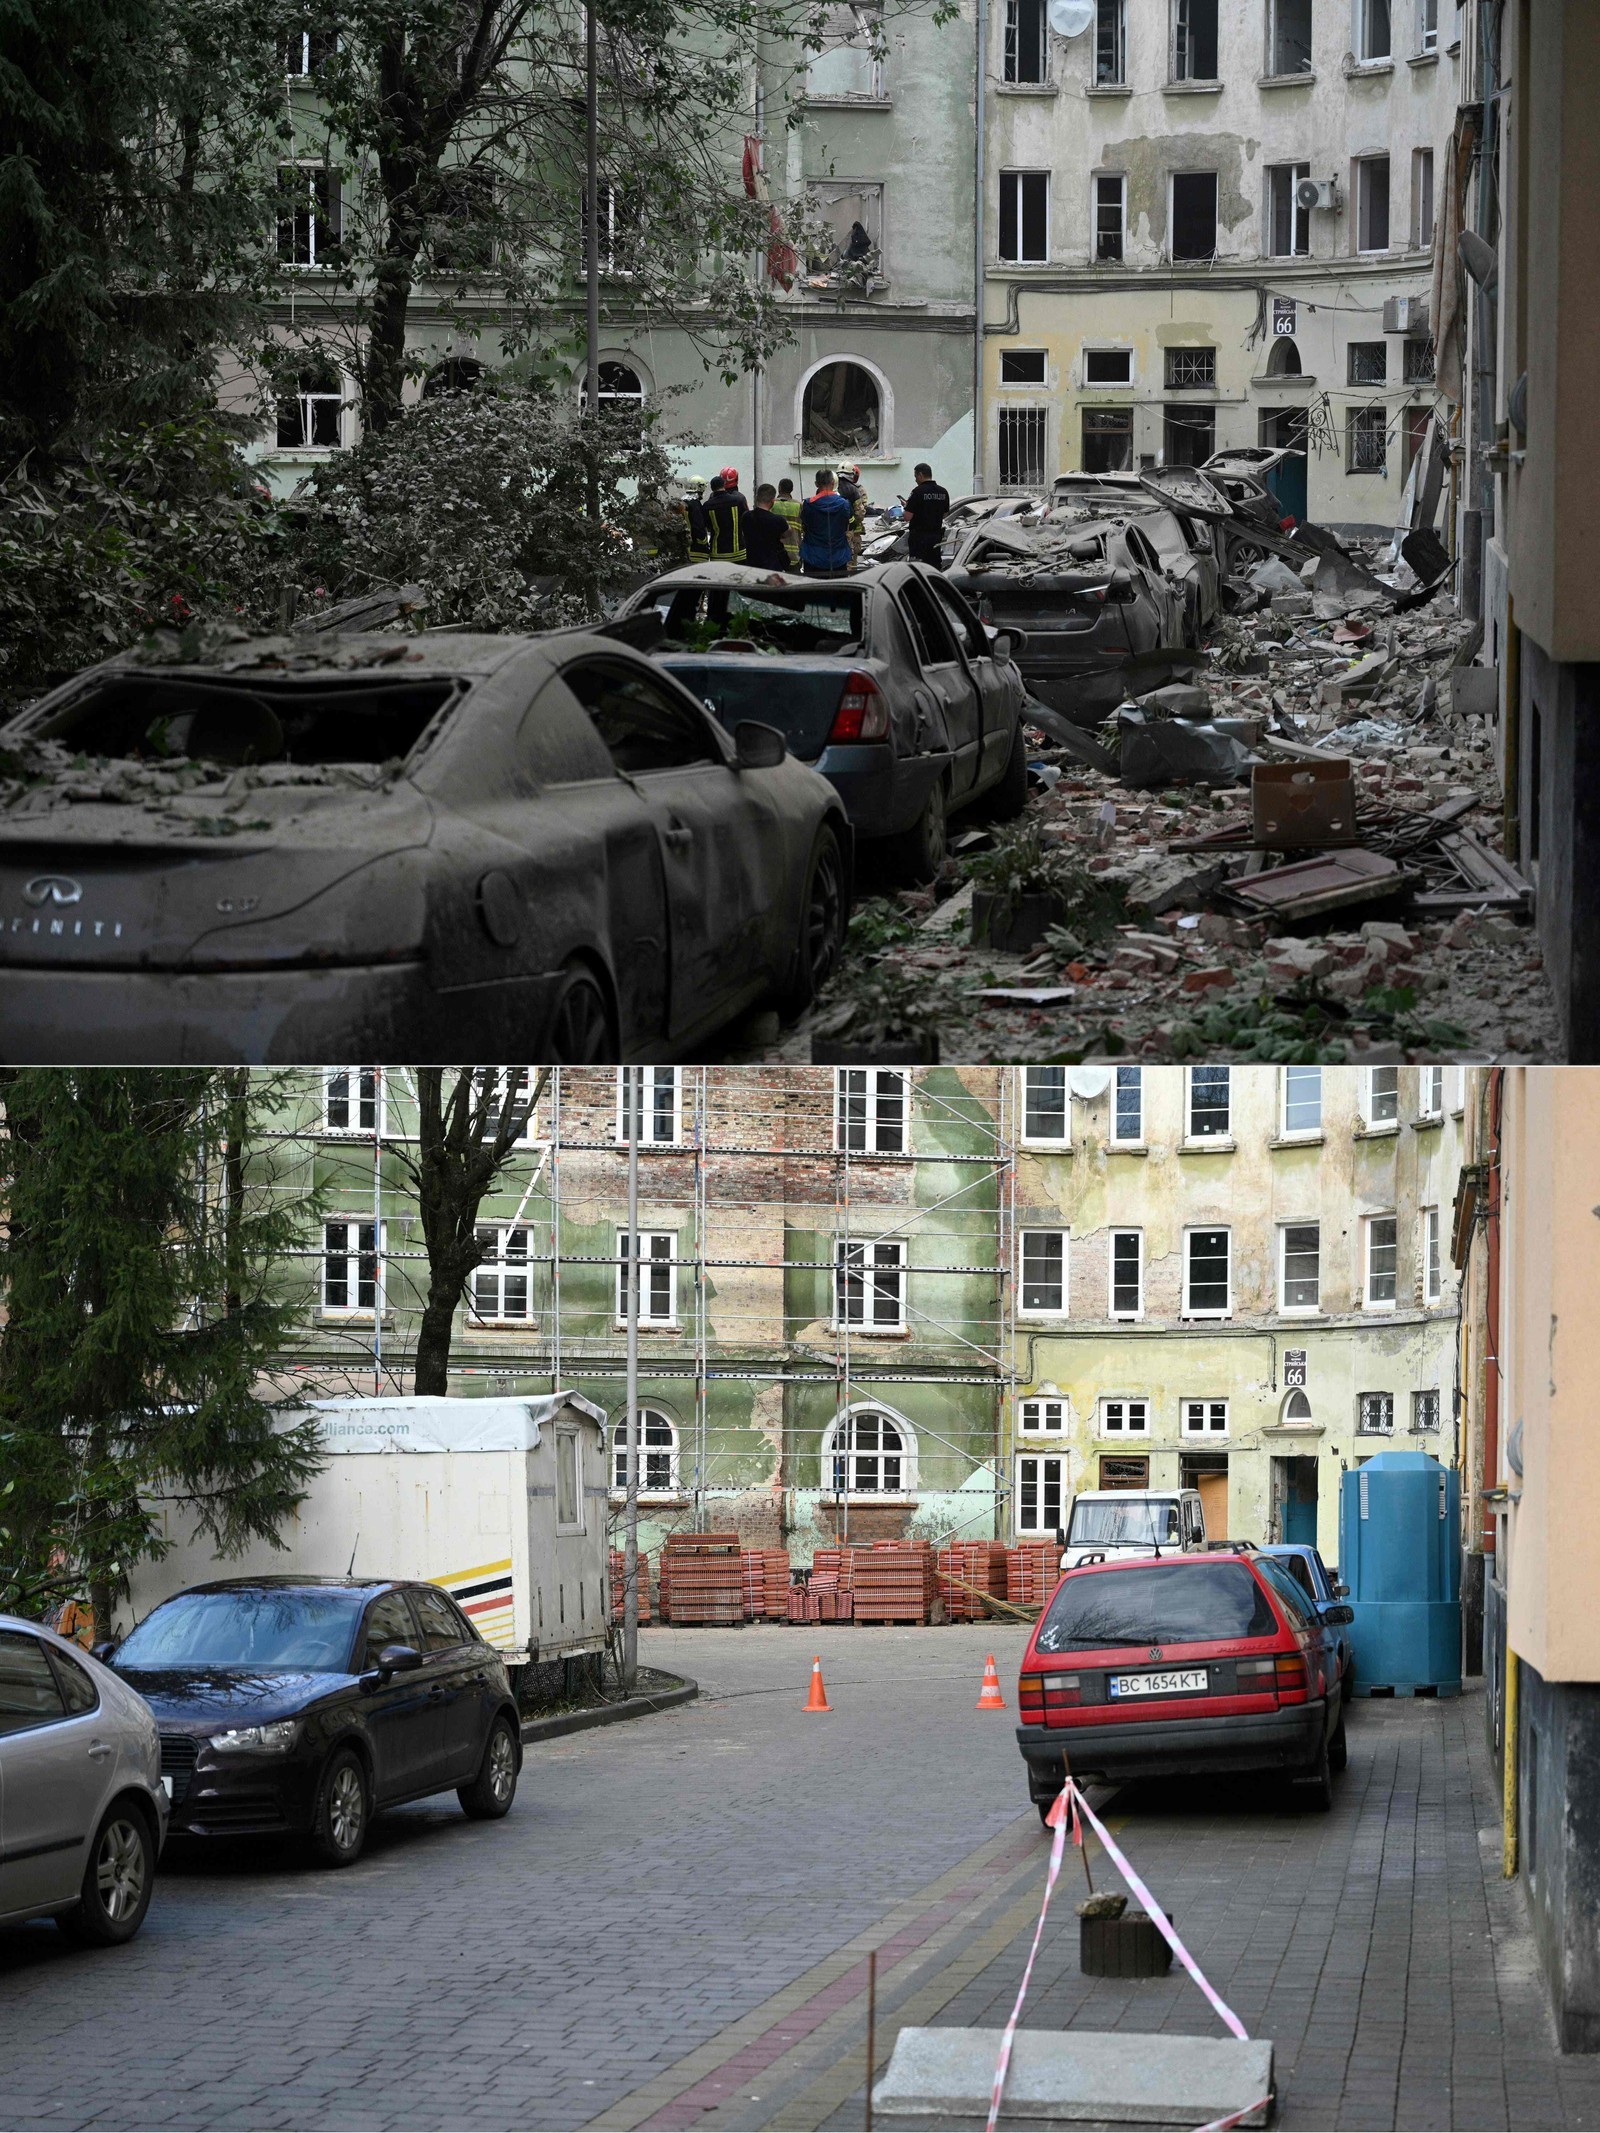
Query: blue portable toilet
1400, 1555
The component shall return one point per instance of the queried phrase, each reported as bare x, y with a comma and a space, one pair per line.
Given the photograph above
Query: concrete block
1076, 2077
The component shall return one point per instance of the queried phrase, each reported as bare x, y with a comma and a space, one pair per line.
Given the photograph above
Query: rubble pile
179, 796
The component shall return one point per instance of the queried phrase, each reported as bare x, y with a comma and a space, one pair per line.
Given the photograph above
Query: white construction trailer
500, 1502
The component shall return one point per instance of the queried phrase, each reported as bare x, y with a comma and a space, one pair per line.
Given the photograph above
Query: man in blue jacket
825, 531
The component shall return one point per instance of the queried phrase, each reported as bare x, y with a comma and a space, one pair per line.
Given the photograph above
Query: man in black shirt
764, 545
925, 510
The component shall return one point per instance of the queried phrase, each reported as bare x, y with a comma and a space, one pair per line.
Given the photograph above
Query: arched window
658, 1453
869, 1453
1296, 1409
310, 406
1284, 361
621, 387
456, 374
842, 414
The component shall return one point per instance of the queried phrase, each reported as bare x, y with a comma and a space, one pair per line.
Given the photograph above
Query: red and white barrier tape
1063, 1812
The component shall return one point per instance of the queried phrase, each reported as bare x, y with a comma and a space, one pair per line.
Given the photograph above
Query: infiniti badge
52, 889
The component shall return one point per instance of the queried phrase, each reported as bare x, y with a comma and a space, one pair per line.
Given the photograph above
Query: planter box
1027, 920
898, 1051
1129, 1946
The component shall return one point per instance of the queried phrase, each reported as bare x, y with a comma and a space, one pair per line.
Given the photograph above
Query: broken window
310, 407
1427, 25
621, 395
1288, 36
1191, 366
308, 214
1042, 1418
1022, 366
841, 412
1026, 51
847, 247
1194, 40
870, 1285
657, 1253
1110, 43
1022, 447
1194, 214
1369, 362
1042, 1271
644, 725
870, 1110
1124, 1418
1283, 359
500, 1290
1025, 216
1045, 1113
1107, 440
1374, 32
303, 50
233, 720
456, 374
1041, 1494
1383, 1260
1110, 215
1207, 1273
1288, 223
658, 1454
1367, 449
1127, 1107
1127, 1273
1375, 1414
461, 223
352, 1269
1421, 199
1424, 1413
1431, 1265
1203, 1418
655, 1092
1300, 1268
621, 230
849, 64
1108, 366
1189, 435
1372, 204
352, 1100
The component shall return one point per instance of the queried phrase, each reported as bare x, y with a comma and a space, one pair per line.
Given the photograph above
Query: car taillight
863, 713
1289, 1670
1061, 1688
1255, 1666
1030, 1695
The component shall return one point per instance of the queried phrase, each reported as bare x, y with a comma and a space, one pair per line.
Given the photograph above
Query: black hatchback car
304, 1705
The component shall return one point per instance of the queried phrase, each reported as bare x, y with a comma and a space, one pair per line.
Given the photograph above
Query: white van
1112, 1524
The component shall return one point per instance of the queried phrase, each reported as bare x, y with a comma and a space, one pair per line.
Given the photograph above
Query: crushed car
886, 682
483, 847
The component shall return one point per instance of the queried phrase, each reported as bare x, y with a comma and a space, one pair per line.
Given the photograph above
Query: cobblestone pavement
672, 1927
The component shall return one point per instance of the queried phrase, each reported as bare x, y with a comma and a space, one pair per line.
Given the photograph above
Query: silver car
83, 1813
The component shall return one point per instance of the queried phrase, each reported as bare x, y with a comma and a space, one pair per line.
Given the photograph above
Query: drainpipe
979, 189
1509, 1771
1491, 1373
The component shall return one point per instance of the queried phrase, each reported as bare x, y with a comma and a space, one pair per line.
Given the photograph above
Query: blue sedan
1322, 1586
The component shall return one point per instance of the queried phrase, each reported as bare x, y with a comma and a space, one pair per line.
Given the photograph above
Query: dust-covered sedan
403, 847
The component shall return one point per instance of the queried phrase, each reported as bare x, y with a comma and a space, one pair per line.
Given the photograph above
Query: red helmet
731, 476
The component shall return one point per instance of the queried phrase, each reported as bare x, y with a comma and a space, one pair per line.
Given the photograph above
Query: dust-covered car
402, 848
886, 681
1185, 547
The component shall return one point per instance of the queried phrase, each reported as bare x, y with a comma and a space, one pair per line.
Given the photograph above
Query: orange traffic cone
991, 1699
818, 1699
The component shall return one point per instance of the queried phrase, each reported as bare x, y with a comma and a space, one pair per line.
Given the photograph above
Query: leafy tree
141, 1276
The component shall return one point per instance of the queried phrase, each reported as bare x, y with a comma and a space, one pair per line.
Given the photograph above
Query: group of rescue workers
820, 537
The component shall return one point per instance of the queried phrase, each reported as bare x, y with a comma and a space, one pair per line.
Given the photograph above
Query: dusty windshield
1140, 1522
700, 618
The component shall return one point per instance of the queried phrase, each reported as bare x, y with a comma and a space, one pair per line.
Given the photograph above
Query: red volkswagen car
1181, 1667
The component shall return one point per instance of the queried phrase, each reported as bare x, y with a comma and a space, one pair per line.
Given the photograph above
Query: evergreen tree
142, 1278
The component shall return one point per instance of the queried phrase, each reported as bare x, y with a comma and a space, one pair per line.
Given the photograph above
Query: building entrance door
1294, 1501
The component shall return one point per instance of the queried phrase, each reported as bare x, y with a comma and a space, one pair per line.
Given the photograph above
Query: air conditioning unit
1318, 192
1407, 315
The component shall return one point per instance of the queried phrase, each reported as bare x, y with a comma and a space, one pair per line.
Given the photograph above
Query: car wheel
116, 1882
824, 915
344, 1809
916, 855
1313, 1789
492, 1791
1339, 1746
580, 1022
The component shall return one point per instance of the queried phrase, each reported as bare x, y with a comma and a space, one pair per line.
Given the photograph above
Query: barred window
1375, 1414
1022, 447
1424, 1413
1191, 366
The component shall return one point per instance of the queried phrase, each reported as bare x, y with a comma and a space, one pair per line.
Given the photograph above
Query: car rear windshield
799, 701
248, 1627
1139, 1521
157, 718
1189, 1603
699, 617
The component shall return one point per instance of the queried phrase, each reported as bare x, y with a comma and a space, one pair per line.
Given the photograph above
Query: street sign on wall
1294, 1366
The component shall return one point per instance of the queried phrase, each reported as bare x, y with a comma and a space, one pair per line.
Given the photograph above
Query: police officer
925, 515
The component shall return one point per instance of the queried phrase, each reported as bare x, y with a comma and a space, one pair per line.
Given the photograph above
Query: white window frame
652, 1261
1191, 1139
1011, 46
1207, 1312
1111, 16
565, 1437
871, 1087
522, 1081
1285, 1308
1390, 1122
351, 1254
1432, 1257
1041, 1462
323, 230
1206, 1430
1299, 217
1176, 33
1369, 1245
1018, 172
1105, 385
1114, 1310
1286, 1131
1119, 179
1427, 1429
648, 1418
1044, 1415
1427, 28
495, 1267
357, 1099
1061, 1140
1359, 204
1269, 56
846, 1426
1383, 1429
1430, 1093
873, 1257
307, 398
655, 1082
1366, 15
1135, 1083
1132, 1418
1062, 1238
1424, 199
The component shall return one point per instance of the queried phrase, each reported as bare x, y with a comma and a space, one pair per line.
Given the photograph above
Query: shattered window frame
1288, 223
354, 1255
1025, 209
1375, 1414
1300, 1269
504, 1270
1206, 255
876, 1101
1208, 1271
1374, 30
310, 203
1426, 1406
1043, 1257
362, 1094
1045, 1098
1111, 44
658, 1453
1025, 41
860, 37
1195, 38
1367, 439
1372, 231
1106, 440
1041, 1481
883, 1274
1367, 363
1126, 1253
1202, 1420
1041, 1416
1422, 200
309, 402
1432, 1257
1120, 1417
660, 1105
657, 1251
1299, 1102
1033, 361
1288, 38
1109, 190
1380, 1262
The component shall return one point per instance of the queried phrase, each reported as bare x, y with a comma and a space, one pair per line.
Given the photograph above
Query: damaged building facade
1211, 226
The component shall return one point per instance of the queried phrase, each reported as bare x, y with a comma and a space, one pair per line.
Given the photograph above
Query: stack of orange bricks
965, 1564
618, 1561
1031, 1572
831, 1595
702, 1580
893, 1581
766, 1584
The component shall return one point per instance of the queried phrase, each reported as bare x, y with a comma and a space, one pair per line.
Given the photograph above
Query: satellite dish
1088, 1083
1070, 18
